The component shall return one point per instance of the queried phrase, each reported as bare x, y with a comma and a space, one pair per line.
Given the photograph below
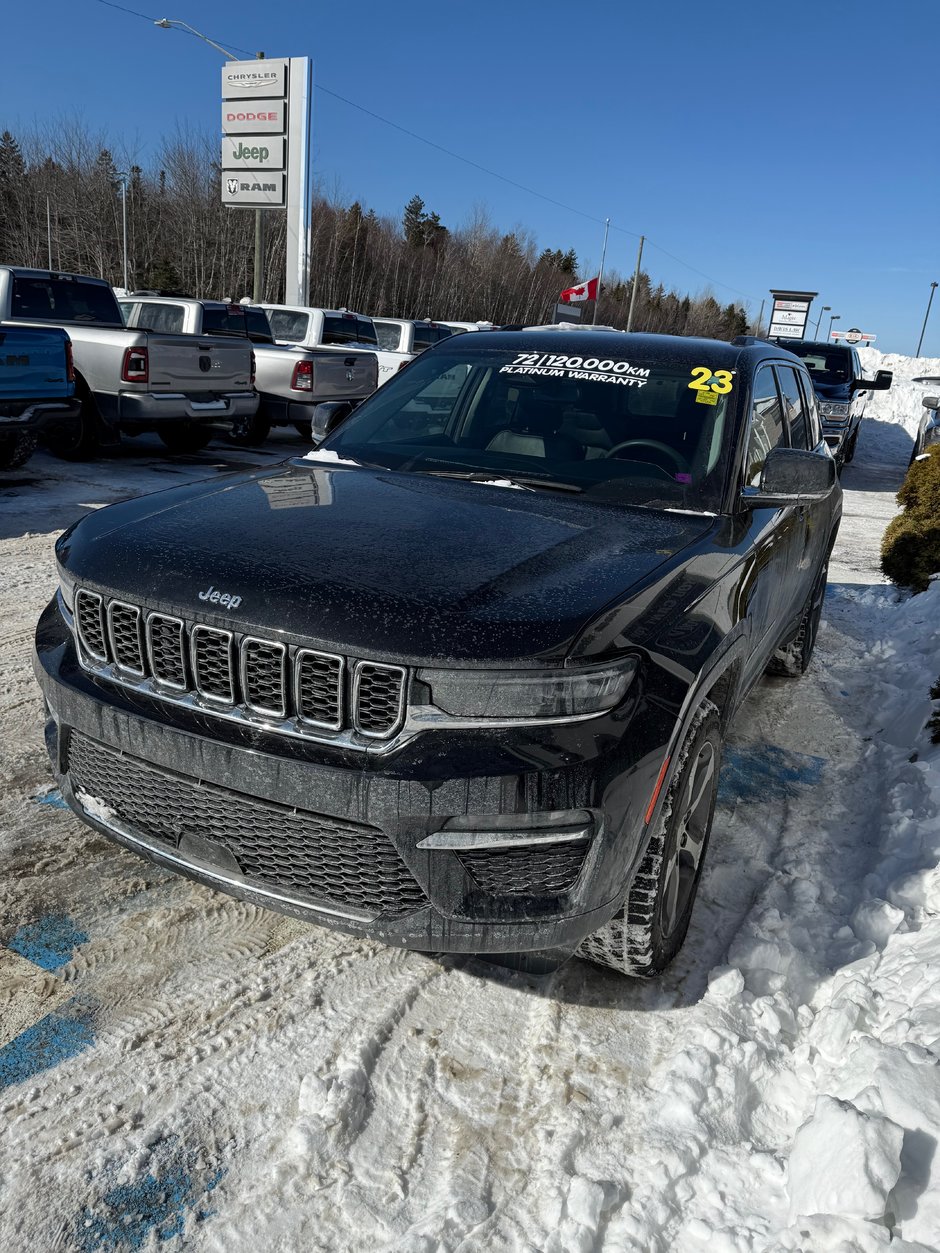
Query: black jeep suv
457, 679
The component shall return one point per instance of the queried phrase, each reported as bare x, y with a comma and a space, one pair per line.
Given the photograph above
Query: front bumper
352, 832
155, 408
39, 416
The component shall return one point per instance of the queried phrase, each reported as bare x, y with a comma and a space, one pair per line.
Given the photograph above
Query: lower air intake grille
305, 854
539, 870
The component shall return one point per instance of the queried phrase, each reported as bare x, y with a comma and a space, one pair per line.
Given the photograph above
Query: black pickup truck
842, 388
473, 698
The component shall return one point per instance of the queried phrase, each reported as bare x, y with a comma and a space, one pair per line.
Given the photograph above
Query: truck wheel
643, 938
850, 448
180, 437
79, 440
250, 431
303, 430
792, 659
16, 450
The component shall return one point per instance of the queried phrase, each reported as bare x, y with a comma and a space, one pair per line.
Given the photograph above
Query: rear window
229, 320
388, 335
426, 335
64, 300
348, 329
288, 325
826, 365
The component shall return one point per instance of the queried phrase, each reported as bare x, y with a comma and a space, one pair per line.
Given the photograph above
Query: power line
456, 156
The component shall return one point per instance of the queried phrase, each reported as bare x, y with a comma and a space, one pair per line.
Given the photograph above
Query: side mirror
883, 380
326, 418
932, 402
792, 476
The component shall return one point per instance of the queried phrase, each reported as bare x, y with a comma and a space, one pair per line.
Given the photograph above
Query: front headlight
507, 697
834, 409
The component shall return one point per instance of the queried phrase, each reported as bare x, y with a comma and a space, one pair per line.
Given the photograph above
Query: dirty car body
443, 707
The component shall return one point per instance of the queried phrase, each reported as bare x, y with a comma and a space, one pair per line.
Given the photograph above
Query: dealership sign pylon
266, 151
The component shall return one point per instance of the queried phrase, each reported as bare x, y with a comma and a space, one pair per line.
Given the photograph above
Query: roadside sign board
789, 313
258, 117
253, 188
853, 336
253, 152
247, 80
567, 313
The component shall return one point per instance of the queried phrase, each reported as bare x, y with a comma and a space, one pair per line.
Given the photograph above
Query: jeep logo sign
253, 117
250, 188
256, 152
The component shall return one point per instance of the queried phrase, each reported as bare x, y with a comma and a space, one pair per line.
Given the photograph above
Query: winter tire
76, 441
792, 659
850, 448
16, 450
184, 437
643, 938
303, 430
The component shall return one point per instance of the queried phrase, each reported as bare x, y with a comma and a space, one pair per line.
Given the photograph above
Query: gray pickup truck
37, 390
291, 380
128, 381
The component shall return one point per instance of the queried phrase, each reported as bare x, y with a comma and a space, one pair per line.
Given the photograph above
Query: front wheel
850, 448
184, 437
643, 938
79, 440
16, 450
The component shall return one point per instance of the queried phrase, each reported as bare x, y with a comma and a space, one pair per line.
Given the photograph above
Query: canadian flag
587, 291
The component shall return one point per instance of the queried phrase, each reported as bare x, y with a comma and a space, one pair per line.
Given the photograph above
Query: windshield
826, 365
619, 431
64, 300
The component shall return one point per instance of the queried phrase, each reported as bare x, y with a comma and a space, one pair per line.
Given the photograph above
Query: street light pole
258, 279
123, 176
933, 288
824, 309
836, 317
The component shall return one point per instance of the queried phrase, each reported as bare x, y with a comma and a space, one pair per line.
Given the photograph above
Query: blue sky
788, 145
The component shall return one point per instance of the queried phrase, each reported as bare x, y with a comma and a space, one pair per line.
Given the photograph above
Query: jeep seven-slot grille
326, 859
251, 677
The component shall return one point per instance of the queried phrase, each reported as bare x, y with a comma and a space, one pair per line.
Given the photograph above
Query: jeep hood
380, 564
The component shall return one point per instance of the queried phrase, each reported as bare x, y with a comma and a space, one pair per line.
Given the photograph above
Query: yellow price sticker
705, 382
706, 398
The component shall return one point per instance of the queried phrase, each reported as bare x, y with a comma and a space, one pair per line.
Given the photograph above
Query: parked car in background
928, 432
290, 380
37, 390
404, 335
127, 380
338, 330
472, 698
842, 389
469, 326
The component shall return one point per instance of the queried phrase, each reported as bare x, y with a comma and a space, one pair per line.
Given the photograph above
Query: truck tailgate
344, 374
199, 363
32, 364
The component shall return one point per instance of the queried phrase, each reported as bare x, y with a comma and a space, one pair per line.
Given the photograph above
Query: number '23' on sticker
703, 380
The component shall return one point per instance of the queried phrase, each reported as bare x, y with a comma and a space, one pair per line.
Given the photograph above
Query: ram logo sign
252, 188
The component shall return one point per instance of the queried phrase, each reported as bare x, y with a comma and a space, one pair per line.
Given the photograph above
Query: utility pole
760, 317
49, 232
824, 309
600, 277
933, 288
122, 175
636, 283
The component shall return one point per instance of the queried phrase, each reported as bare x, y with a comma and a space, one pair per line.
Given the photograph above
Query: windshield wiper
497, 476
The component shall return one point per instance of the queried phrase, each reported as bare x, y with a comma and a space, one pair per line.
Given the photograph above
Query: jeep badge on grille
216, 597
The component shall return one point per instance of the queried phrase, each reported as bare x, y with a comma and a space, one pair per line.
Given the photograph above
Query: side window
424, 337
767, 430
167, 319
793, 406
814, 433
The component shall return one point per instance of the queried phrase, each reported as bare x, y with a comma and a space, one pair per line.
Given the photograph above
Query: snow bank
901, 403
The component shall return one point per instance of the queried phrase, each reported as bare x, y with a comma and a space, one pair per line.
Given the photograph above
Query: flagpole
600, 277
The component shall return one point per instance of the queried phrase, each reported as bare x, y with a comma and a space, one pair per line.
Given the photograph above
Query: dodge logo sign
232, 185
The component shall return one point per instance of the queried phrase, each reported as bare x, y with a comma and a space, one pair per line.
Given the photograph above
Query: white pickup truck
339, 330
291, 380
130, 381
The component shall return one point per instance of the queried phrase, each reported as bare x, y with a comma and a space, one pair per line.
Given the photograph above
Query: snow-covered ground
179, 1069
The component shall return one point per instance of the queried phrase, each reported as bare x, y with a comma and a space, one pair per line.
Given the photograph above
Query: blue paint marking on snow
53, 798
60, 1035
48, 943
128, 1215
766, 772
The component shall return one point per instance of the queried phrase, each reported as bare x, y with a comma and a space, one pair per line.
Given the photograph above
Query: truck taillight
254, 369
69, 362
303, 377
402, 366
136, 367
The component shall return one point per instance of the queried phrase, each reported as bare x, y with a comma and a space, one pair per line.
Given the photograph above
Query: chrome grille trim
246, 678
120, 607
302, 655
198, 632
361, 674
166, 619
96, 605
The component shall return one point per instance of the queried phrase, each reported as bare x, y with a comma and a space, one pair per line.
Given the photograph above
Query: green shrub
910, 550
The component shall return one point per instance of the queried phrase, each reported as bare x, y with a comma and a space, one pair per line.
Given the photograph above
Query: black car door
815, 520
766, 594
